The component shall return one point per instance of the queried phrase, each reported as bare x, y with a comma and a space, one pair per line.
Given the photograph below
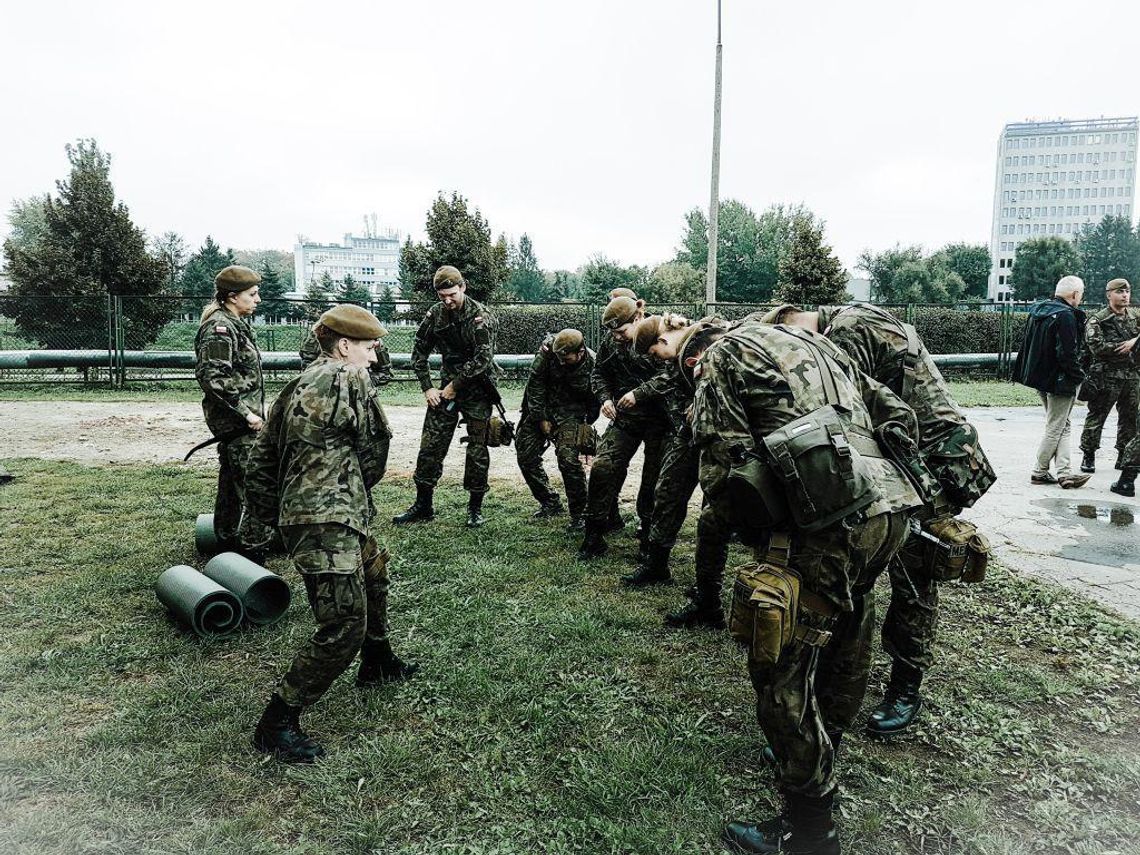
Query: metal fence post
120, 342
111, 339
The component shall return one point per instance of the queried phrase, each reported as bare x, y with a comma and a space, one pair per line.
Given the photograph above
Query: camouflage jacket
758, 377
380, 371
1104, 331
676, 398
619, 369
876, 341
556, 392
465, 341
229, 372
316, 459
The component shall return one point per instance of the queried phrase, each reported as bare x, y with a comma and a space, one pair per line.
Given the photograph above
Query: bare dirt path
1083, 539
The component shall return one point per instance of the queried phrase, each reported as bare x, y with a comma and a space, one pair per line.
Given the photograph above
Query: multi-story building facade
372, 260
1052, 179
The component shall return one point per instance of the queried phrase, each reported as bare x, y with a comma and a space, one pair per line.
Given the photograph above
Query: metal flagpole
714, 200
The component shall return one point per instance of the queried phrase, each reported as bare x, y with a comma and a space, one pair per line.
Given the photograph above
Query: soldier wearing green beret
557, 405
229, 373
311, 473
892, 352
460, 328
1113, 379
628, 387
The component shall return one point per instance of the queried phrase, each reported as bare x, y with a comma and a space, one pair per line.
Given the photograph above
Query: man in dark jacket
1049, 361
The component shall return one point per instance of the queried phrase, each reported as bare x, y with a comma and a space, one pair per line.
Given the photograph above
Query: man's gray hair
1068, 286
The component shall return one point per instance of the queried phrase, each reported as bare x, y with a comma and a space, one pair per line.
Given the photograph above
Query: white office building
372, 260
1054, 177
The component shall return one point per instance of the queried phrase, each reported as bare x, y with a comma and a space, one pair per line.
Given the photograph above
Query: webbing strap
779, 549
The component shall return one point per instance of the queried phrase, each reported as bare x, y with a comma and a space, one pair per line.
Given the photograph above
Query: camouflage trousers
812, 692
530, 443
680, 471
439, 428
713, 533
232, 457
912, 616
611, 464
1124, 394
346, 578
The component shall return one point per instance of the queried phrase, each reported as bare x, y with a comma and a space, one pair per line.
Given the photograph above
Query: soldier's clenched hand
608, 410
255, 421
448, 393
627, 401
433, 397
1126, 347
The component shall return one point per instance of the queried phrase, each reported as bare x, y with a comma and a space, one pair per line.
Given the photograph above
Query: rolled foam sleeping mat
264, 595
201, 603
206, 538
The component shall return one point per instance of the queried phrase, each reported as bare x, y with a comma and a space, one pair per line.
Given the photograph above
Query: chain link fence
123, 339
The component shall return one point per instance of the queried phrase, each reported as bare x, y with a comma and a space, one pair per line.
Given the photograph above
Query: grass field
968, 393
553, 712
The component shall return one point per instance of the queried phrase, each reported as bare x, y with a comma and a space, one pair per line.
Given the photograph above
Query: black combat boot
1088, 462
805, 828
279, 733
899, 707
594, 543
550, 508
1125, 485
654, 570
475, 510
421, 508
702, 609
378, 664
577, 523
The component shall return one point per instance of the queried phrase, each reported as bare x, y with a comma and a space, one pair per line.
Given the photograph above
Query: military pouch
500, 432
765, 602
961, 466
822, 469
757, 499
954, 550
586, 440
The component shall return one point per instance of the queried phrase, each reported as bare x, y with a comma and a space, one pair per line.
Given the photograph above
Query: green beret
622, 292
1118, 285
568, 341
236, 278
352, 322
620, 311
647, 333
447, 277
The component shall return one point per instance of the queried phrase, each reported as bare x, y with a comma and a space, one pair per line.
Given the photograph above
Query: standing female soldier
229, 372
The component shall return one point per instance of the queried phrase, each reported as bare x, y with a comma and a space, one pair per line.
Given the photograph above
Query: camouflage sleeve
215, 369
264, 462
310, 349
720, 409
536, 391
421, 349
371, 426
482, 362
381, 370
1099, 345
657, 387
883, 405
601, 379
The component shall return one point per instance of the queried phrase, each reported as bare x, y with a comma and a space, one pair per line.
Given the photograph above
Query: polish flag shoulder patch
220, 329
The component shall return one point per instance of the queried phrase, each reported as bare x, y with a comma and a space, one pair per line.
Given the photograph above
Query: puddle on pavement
1111, 528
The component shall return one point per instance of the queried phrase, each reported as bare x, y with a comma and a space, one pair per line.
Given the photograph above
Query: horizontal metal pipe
292, 362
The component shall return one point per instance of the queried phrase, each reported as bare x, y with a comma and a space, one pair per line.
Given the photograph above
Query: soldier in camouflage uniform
752, 381
458, 327
229, 372
891, 352
557, 402
311, 473
661, 338
1112, 379
628, 388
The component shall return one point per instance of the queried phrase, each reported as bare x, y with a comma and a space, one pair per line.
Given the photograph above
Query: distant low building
372, 260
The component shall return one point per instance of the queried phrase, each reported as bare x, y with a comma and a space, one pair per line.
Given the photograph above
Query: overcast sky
587, 124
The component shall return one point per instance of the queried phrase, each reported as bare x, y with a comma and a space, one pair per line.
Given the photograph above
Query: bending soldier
558, 408
891, 352
323, 433
765, 397
627, 387
229, 372
460, 329
1112, 379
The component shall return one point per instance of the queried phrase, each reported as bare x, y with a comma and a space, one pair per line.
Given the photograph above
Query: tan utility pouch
955, 550
586, 440
500, 432
766, 606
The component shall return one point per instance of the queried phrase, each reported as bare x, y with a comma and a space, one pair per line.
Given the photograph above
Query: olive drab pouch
822, 468
765, 601
586, 440
757, 498
953, 549
500, 432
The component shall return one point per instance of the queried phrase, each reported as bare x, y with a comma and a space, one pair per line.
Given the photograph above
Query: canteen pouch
765, 603
500, 432
586, 440
954, 550
757, 500
825, 479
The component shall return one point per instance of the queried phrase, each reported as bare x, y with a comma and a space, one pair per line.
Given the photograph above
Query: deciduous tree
1040, 263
